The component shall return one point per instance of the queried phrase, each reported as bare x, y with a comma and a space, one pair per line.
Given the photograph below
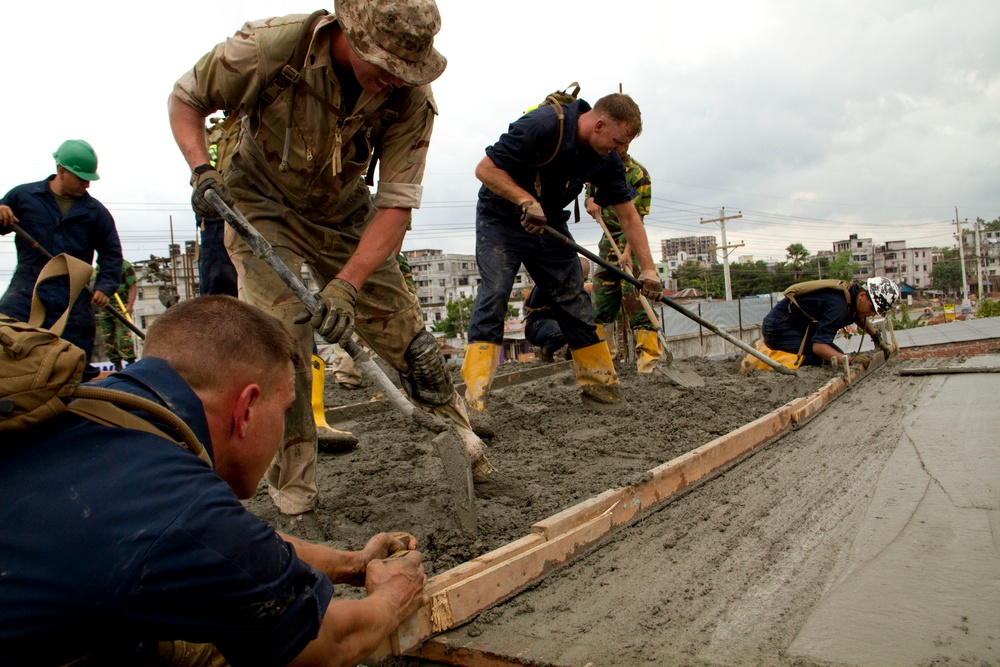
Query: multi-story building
910, 266
701, 249
862, 252
989, 258
442, 277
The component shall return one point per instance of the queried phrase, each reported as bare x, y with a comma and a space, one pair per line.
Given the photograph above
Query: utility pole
979, 263
961, 258
725, 248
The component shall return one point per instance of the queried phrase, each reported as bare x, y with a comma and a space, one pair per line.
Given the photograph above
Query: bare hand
7, 217
100, 299
378, 547
592, 208
401, 581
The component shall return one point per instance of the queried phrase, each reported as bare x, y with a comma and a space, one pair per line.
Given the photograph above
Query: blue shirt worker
811, 323
133, 550
62, 217
520, 196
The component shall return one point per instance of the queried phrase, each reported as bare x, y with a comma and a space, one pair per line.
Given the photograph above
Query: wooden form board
463, 592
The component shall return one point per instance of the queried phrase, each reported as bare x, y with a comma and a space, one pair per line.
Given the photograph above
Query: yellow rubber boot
478, 370
606, 332
329, 439
596, 374
648, 350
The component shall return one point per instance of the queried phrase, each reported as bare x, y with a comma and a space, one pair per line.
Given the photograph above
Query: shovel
563, 239
680, 377
458, 472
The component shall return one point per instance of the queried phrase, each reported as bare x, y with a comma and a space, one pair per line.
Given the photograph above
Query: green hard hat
79, 157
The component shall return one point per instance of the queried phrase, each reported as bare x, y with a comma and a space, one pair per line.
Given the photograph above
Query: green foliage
841, 267
905, 322
797, 256
992, 226
947, 276
989, 308
457, 321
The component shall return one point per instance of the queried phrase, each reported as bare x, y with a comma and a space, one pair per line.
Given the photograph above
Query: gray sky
815, 120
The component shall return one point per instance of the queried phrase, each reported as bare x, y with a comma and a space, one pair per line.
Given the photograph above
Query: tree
457, 321
841, 267
992, 226
798, 256
751, 279
947, 276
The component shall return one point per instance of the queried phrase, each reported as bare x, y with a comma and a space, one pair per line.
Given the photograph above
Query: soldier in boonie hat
396, 35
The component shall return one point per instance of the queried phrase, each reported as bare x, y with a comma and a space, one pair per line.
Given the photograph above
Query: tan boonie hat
396, 35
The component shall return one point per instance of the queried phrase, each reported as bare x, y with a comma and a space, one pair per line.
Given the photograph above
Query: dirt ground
550, 452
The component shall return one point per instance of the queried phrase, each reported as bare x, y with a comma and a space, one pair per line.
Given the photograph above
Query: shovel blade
458, 477
679, 376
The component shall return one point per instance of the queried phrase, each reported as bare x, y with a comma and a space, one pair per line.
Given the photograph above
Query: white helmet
883, 293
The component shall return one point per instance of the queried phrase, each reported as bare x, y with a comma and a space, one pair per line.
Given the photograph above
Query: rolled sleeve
404, 151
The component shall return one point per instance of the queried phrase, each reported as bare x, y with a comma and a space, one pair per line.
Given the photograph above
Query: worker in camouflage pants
610, 293
117, 337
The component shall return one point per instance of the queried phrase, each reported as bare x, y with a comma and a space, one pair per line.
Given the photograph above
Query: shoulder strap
289, 74
79, 273
101, 405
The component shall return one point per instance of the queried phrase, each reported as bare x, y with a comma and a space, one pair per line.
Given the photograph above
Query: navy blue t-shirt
827, 306
113, 537
529, 141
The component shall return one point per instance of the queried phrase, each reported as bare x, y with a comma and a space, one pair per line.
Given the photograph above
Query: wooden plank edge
442, 651
486, 579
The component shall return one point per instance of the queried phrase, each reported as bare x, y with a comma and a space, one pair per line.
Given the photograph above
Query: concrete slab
923, 579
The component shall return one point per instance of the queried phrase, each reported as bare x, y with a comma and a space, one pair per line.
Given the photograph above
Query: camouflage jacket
638, 177
329, 154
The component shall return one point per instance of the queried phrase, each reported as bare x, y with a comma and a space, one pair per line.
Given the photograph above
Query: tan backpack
41, 373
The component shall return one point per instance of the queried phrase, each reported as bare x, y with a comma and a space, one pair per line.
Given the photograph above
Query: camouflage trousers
117, 337
611, 293
388, 317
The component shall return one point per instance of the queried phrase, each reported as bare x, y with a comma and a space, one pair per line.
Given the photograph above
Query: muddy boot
599, 386
327, 438
648, 350
478, 370
606, 332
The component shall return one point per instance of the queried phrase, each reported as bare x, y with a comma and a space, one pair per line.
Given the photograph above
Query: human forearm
350, 632
379, 241
188, 127
338, 566
635, 234
500, 182
826, 352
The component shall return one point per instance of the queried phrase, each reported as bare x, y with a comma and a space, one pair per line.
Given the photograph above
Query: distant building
910, 266
862, 252
442, 277
702, 250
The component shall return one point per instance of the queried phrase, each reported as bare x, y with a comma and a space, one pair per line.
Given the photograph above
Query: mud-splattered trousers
501, 247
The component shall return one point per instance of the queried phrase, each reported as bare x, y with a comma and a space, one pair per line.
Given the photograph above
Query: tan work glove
863, 359
204, 178
882, 345
652, 286
532, 217
336, 322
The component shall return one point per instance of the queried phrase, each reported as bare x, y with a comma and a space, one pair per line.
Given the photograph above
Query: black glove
204, 178
532, 217
336, 322
652, 286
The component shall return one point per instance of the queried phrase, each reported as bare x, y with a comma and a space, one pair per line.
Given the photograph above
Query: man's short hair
210, 340
620, 108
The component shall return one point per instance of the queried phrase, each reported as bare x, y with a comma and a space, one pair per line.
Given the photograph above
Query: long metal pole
562, 238
27, 238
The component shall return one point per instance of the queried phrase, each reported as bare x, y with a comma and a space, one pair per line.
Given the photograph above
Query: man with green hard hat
62, 217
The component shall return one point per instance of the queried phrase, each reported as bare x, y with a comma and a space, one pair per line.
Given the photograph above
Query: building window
441, 282
441, 266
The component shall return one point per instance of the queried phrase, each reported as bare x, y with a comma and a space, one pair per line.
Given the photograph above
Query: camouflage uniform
117, 337
610, 292
314, 207
404, 268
